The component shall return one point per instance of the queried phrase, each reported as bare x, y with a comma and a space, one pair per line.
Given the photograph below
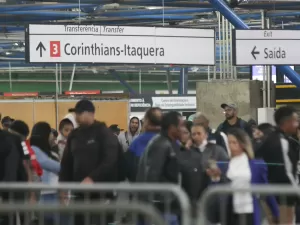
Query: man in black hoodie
92, 150
91, 154
280, 150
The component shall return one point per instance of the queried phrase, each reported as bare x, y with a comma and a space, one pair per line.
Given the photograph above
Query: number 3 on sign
54, 48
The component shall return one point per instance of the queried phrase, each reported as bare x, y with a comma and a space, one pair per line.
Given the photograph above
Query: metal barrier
148, 211
281, 191
166, 193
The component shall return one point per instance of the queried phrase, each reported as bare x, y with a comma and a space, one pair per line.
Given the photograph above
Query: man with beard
232, 120
134, 129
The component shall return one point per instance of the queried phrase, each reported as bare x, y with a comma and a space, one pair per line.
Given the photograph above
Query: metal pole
220, 45
140, 82
224, 47
9, 74
72, 77
215, 72
269, 74
263, 26
231, 66
56, 95
169, 82
60, 79
208, 73
227, 48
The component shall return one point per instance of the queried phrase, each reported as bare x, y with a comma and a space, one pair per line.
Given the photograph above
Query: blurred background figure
6, 122
127, 137
115, 129
209, 151
243, 171
186, 133
232, 120
65, 128
151, 127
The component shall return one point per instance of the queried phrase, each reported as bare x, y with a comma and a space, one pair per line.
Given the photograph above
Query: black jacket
242, 124
158, 163
93, 152
11, 163
193, 174
281, 153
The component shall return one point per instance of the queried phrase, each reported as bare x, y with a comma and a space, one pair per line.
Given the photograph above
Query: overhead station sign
119, 44
266, 47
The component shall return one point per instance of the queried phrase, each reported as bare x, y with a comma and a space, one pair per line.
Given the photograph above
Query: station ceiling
199, 14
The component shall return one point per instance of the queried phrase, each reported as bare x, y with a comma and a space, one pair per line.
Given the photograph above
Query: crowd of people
163, 148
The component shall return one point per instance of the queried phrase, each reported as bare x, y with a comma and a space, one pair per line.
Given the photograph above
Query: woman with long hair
40, 141
243, 171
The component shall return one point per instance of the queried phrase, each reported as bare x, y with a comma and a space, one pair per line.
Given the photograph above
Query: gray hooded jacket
126, 138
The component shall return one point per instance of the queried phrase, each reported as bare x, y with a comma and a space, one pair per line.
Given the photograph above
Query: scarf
239, 173
34, 163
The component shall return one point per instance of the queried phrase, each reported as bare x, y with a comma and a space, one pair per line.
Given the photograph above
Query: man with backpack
232, 120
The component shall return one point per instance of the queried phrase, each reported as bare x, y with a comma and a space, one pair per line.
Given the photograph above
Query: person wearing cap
91, 154
232, 120
115, 129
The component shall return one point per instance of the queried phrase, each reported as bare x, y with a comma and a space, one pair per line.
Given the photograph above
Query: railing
119, 198
259, 191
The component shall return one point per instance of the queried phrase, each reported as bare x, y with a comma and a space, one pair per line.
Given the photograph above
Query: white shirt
202, 146
239, 173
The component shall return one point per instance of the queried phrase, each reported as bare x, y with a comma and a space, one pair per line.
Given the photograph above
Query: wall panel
32, 111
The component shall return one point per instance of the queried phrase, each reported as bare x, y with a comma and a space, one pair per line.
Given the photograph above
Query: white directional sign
119, 44
266, 47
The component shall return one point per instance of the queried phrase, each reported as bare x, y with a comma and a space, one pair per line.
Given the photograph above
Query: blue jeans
50, 199
55, 217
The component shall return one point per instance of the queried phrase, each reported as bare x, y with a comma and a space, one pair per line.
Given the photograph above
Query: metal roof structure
284, 14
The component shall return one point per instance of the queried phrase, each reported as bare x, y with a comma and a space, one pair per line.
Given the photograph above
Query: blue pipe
28, 7
154, 12
118, 22
183, 81
123, 82
229, 14
45, 13
166, 17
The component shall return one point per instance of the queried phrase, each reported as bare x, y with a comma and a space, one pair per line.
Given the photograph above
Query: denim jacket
50, 167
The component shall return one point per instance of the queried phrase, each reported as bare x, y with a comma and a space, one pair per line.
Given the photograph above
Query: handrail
123, 187
254, 189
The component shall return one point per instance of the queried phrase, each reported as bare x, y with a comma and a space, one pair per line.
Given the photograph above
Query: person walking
91, 155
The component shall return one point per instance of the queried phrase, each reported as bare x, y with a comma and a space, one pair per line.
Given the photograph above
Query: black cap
84, 105
115, 128
6, 120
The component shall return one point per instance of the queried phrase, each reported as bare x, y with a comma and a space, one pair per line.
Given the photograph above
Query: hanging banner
143, 102
175, 103
20, 94
140, 104
95, 92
